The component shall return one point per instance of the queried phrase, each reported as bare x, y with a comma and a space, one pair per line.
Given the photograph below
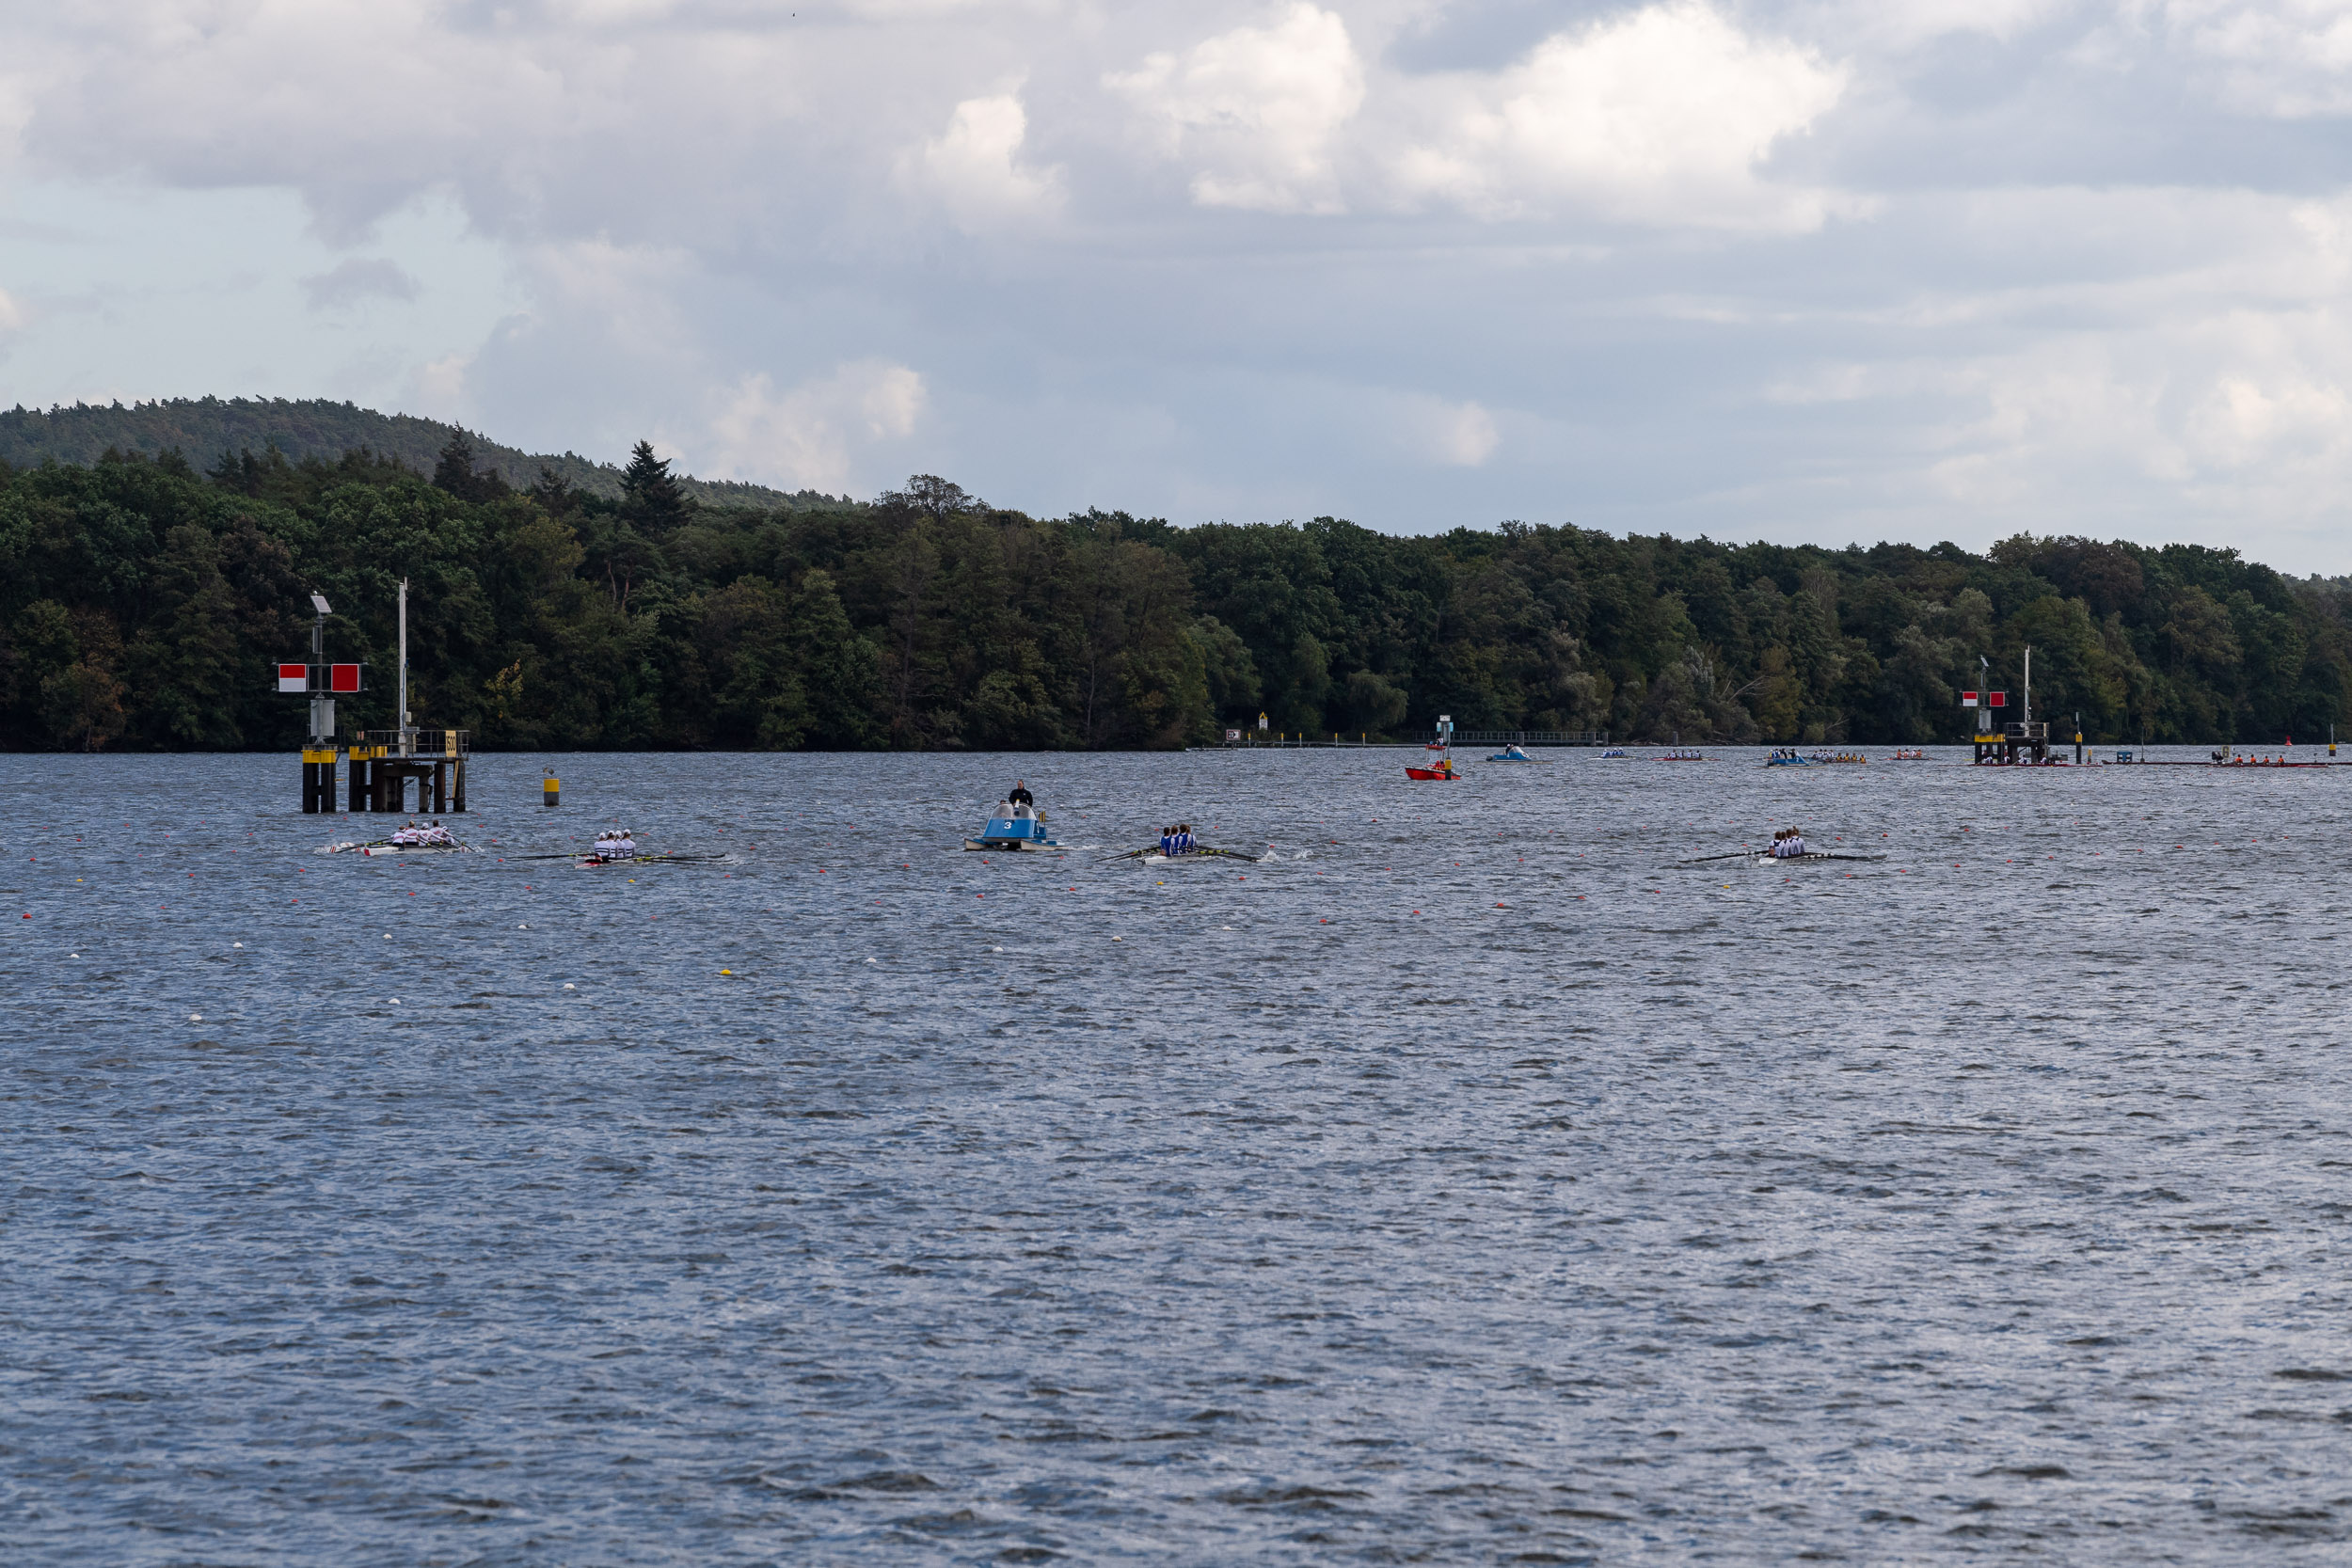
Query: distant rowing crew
614, 843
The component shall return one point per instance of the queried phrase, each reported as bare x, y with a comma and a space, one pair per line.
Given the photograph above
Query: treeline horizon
143, 603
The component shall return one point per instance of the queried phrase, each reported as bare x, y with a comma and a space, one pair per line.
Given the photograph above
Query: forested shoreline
145, 602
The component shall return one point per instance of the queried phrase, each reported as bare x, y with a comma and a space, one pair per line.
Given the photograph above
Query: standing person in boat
1023, 804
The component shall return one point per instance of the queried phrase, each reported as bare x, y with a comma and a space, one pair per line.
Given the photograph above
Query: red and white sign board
1968, 699
293, 677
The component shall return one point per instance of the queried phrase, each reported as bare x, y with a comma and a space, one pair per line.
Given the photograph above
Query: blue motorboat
1512, 753
1018, 831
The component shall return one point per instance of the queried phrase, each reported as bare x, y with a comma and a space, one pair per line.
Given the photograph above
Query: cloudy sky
1823, 270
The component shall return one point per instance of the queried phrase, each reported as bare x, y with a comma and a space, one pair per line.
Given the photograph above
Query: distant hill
203, 428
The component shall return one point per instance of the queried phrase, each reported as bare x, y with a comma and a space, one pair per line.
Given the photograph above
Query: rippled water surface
1471, 1184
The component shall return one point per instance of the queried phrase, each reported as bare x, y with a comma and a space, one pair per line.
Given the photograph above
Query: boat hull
371, 850
1017, 845
1429, 773
1809, 858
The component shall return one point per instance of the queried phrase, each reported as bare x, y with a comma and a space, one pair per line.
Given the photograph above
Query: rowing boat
595, 860
1767, 858
390, 848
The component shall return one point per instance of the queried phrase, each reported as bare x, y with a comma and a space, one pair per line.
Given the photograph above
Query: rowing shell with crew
429, 838
1789, 848
1177, 847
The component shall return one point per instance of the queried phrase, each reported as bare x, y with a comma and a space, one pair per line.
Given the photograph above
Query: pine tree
649, 497
455, 472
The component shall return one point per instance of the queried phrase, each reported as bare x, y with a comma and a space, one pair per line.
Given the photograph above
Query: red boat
1444, 770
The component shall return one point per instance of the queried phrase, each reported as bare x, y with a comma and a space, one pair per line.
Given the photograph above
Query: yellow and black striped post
362, 789
318, 780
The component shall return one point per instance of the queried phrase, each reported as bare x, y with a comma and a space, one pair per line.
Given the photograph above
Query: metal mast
407, 734
322, 704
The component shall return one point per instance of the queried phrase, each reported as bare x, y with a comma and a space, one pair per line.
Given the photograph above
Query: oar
1735, 855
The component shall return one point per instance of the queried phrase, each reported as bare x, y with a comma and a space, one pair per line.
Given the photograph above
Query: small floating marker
525, 926
569, 986
1114, 939
726, 972
196, 1017
996, 950
236, 944
394, 1000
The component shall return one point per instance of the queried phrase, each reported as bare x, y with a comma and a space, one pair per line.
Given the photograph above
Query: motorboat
1013, 828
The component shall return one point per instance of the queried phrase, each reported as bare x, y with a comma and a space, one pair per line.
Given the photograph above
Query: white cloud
1662, 116
1458, 435
1257, 110
975, 169
809, 436
11, 313
2290, 59
440, 384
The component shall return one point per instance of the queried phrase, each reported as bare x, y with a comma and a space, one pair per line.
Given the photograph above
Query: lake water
1474, 1182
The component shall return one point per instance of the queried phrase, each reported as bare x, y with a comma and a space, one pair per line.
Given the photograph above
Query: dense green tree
141, 603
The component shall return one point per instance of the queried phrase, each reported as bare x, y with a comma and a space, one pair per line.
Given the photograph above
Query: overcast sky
1828, 271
